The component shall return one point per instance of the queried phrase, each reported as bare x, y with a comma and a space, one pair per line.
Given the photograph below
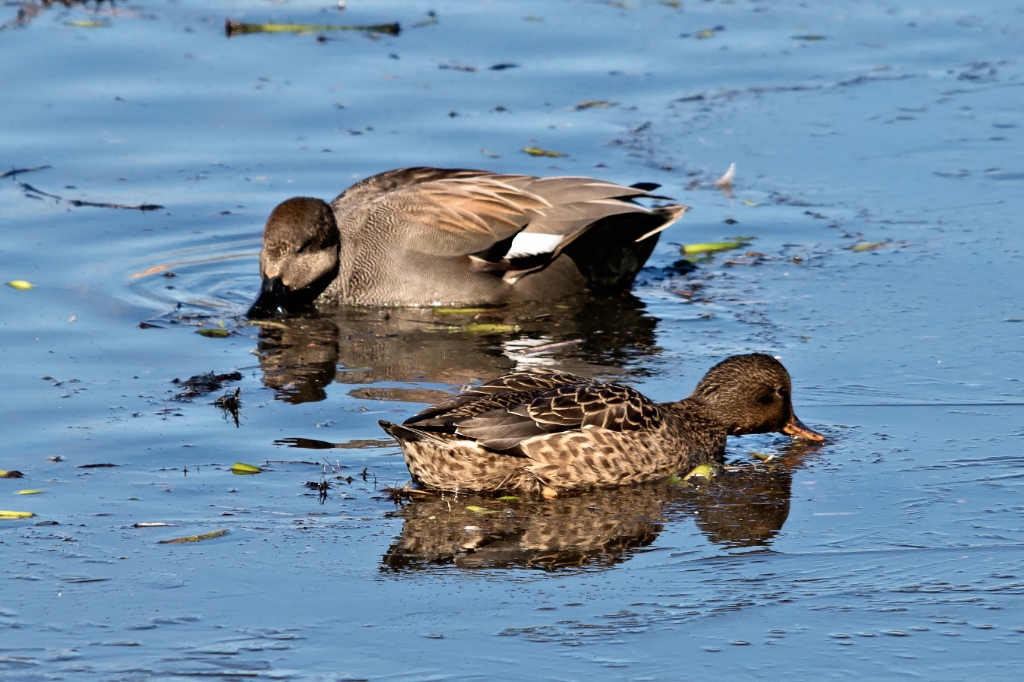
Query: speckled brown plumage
556, 430
442, 237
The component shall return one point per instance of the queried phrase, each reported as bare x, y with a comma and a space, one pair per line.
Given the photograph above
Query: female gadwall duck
443, 237
555, 431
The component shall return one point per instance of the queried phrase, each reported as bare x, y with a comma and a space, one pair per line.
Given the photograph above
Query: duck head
299, 257
752, 394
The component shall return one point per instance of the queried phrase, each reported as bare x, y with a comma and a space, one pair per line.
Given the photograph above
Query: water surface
879, 169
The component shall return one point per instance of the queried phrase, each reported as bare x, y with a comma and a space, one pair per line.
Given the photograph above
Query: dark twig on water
136, 207
17, 171
405, 493
231, 403
30, 189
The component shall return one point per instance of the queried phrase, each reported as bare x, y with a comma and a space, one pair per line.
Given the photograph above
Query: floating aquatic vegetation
594, 104
213, 333
869, 246
811, 37
201, 384
486, 328
705, 34
14, 515
30, 492
194, 538
243, 469
21, 285
537, 151
480, 510
88, 23
236, 28
4, 473
705, 471
459, 311
713, 247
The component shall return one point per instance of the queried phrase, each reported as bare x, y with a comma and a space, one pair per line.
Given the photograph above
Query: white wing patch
533, 243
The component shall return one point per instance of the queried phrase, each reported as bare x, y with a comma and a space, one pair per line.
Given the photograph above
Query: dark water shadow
742, 507
301, 356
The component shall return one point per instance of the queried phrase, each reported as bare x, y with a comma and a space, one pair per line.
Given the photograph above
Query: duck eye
782, 392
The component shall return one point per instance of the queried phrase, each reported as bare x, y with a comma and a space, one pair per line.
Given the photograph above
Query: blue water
893, 550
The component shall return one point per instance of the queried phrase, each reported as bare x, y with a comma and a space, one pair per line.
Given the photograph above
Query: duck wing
503, 421
506, 224
508, 389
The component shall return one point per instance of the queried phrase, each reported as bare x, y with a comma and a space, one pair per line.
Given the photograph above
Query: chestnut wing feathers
503, 413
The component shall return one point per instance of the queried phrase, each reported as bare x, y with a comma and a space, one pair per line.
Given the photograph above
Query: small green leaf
11, 515
868, 246
711, 247
537, 151
459, 311
242, 469
194, 538
675, 479
21, 285
29, 492
481, 328
479, 510
703, 471
508, 498
214, 333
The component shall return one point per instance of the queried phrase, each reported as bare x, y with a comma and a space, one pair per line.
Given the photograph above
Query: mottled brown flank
535, 430
431, 236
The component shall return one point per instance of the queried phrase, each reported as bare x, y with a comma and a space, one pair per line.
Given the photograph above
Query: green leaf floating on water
13, 515
459, 311
237, 28
214, 333
482, 328
712, 247
243, 469
508, 498
21, 285
479, 510
29, 492
86, 23
537, 151
194, 538
675, 479
703, 471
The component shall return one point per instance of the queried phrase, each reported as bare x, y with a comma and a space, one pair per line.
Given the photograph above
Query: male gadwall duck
444, 237
552, 431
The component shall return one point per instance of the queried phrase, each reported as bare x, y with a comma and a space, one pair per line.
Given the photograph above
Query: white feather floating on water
726, 180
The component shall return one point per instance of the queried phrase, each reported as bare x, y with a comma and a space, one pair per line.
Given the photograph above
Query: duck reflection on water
743, 506
301, 356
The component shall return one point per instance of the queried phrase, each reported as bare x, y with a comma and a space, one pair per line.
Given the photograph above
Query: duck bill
270, 300
796, 428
